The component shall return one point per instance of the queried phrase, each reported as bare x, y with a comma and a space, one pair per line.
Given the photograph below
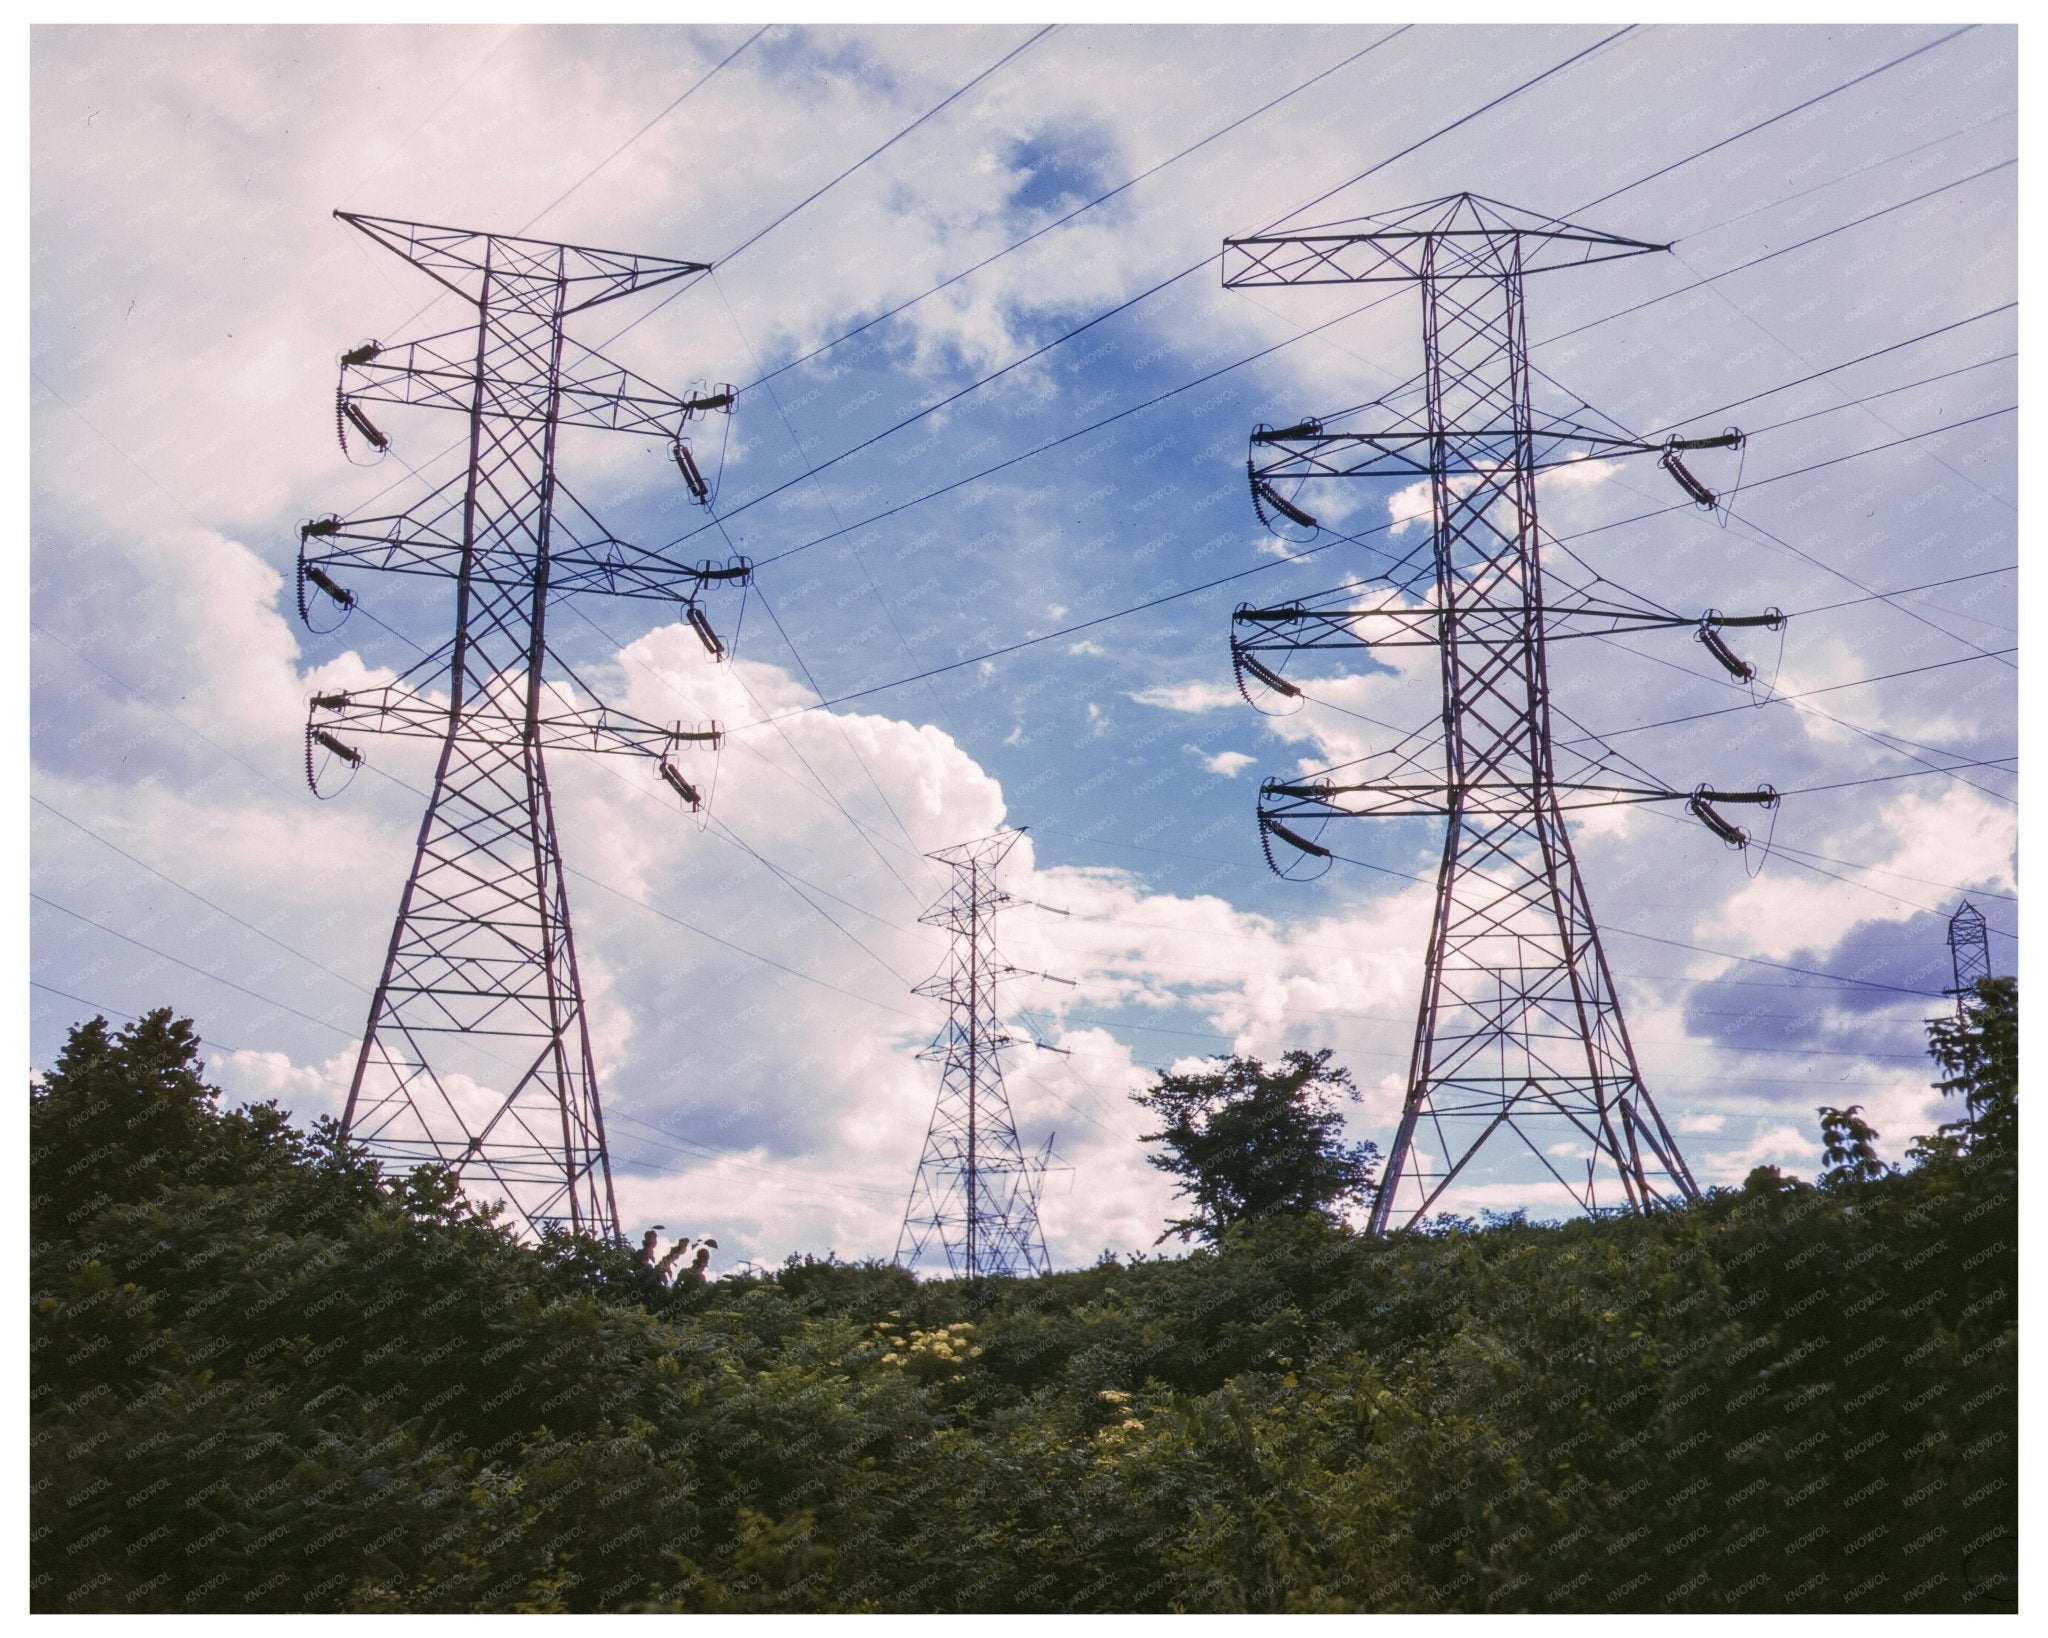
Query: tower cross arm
461, 259
1411, 452
1395, 799
1470, 239
401, 711
587, 390
1294, 628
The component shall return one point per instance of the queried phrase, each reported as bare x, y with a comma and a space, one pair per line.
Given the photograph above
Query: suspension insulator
686, 463
1271, 678
363, 424
353, 758
1703, 811
719, 400
705, 634
320, 528
1286, 508
1702, 496
1311, 428
1737, 667
1294, 840
341, 595
361, 355
681, 786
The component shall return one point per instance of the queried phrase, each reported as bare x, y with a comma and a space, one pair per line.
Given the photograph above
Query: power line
1462, 120
1079, 210
194, 893
1911, 773
1783, 250
116, 1012
1212, 375
823, 790
1159, 399
1340, 539
819, 193
1797, 108
1867, 399
652, 909
1901, 591
1337, 540
790, 882
763, 233
694, 87
1096, 426
291, 949
1700, 949
1089, 324
721, 1156
694, 1149
803, 456
1946, 887
690, 926
399, 147
1801, 694
179, 961
1759, 961
1821, 466
1822, 374
1001, 62
1718, 1046
1844, 575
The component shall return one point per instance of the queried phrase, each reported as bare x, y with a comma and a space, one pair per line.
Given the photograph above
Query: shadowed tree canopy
264, 1377
1248, 1142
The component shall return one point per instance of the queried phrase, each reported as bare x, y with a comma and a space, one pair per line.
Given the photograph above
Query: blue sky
1035, 639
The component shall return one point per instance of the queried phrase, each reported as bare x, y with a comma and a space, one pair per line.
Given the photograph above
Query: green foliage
1849, 1146
265, 1378
1248, 1143
1980, 1050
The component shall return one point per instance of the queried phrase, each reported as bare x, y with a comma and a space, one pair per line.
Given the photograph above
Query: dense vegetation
266, 1379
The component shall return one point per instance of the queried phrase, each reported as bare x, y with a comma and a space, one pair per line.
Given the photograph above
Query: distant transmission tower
1969, 950
1520, 1034
477, 1051
976, 1195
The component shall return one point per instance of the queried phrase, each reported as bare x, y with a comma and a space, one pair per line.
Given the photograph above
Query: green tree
1849, 1146
1980, 1050
1248, 1142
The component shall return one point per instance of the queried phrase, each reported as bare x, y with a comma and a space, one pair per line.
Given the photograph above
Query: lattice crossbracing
1969, 950
975, 1198
477, 1055
1520, 1037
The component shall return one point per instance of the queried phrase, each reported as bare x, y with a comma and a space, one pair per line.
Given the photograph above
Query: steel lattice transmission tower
1520, 1032
1969, 952
975, 1198
477, 1051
